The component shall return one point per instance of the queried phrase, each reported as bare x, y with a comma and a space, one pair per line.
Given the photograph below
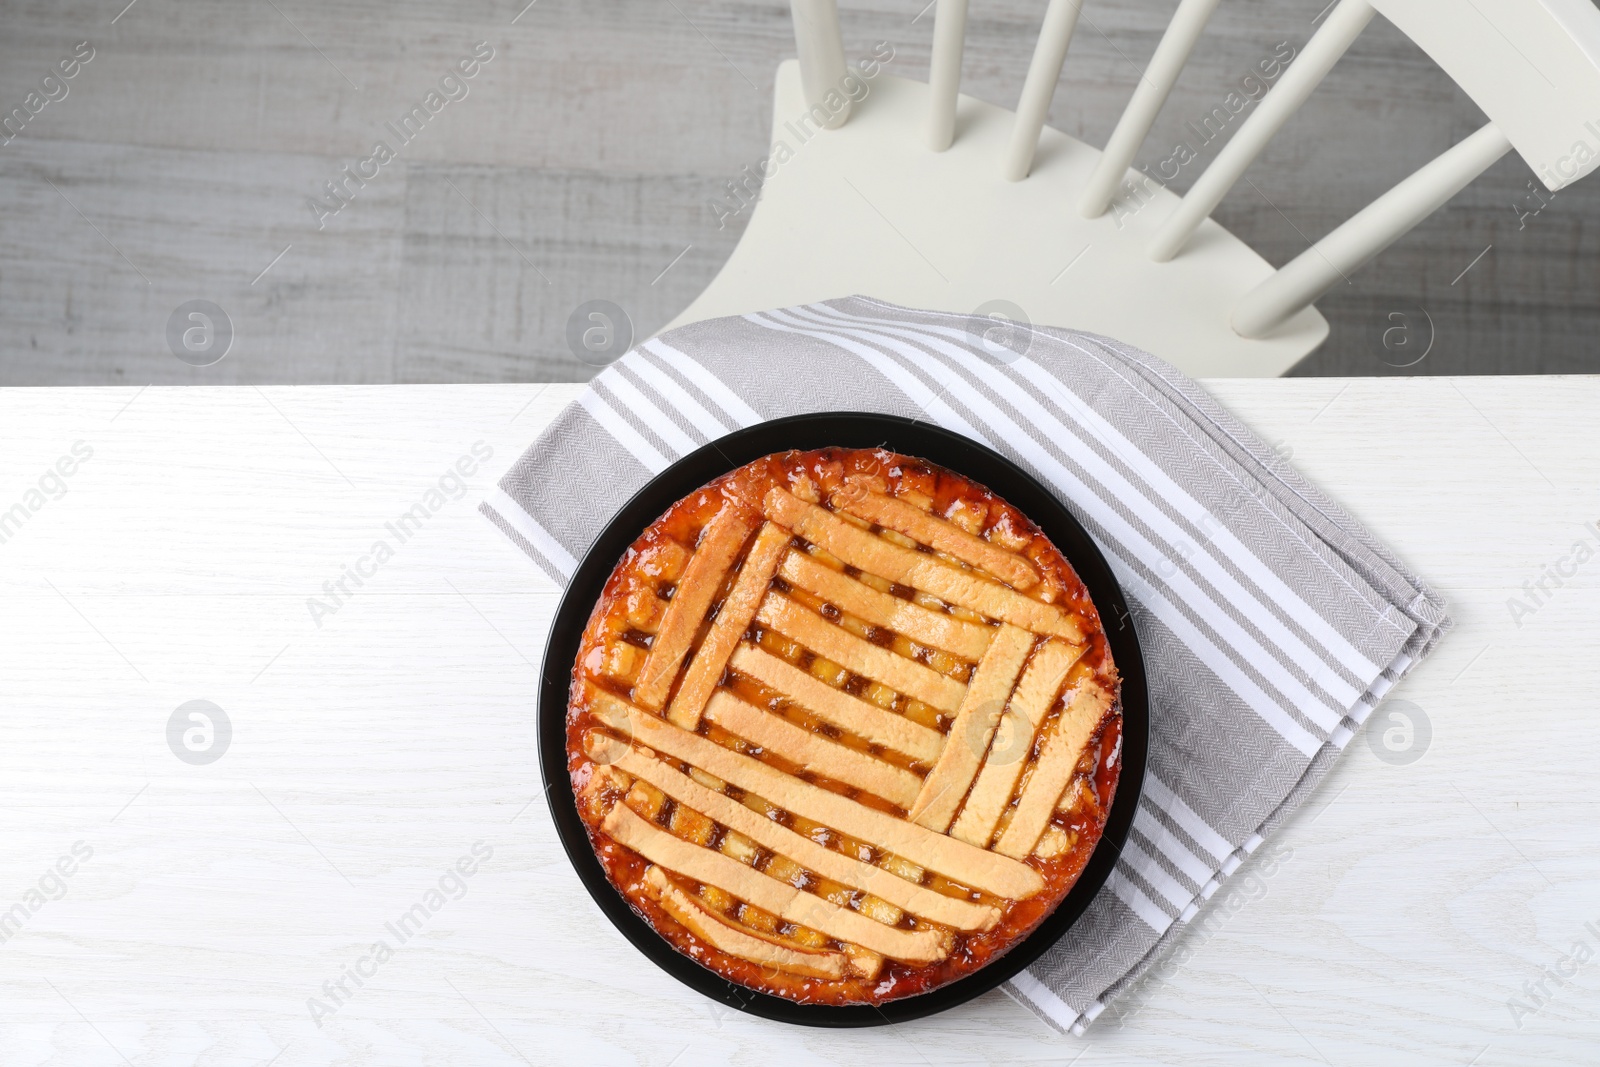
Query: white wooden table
1407, 907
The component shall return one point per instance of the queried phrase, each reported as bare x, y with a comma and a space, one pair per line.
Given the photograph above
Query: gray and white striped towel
1272, 622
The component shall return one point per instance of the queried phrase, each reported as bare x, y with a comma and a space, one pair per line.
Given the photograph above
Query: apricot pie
843, 726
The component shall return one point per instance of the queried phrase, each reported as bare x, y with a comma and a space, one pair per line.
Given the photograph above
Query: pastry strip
1062, 750
806, 627
864, 962
946, 785
720, 934
628, 829
733, 618
926, 903
935, 629
954, 859
837, 707
919, 570
812, 752
1013, 741
718, 548
938, 534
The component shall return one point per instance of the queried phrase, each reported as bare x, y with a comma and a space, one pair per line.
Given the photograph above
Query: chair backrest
1532, 66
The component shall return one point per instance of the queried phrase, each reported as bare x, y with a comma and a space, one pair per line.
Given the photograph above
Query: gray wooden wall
181, 161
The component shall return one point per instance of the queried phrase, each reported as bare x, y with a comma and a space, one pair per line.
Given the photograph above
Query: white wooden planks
400, 733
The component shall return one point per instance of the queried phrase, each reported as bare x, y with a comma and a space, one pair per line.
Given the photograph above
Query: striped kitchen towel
1272, 622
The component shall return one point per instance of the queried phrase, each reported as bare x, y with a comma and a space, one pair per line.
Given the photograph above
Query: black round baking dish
847, 430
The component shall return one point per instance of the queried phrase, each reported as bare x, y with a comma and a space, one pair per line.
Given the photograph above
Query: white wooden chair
930, 198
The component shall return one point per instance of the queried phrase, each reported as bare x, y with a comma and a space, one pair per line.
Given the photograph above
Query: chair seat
868, 209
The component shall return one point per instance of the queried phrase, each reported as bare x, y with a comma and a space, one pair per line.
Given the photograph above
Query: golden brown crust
936, 533
956, 859
625, 826
1002, 764
732, 620
860, 657
813, 753
799, 753
1088, 705
717, 931
719, 547
953, 912
837, 707
932, 628
915, 569
946, 787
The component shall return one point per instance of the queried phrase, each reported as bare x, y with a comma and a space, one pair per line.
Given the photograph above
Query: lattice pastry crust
844, 726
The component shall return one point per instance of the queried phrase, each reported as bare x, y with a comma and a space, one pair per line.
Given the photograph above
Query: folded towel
1272, 622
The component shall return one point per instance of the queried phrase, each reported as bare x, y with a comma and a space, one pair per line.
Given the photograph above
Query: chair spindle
1060, 19
944, 72
1155, 85
1344, 24
1366, 233
820, 46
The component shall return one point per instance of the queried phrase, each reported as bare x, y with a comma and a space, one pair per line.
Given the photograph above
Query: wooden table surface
163, 911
